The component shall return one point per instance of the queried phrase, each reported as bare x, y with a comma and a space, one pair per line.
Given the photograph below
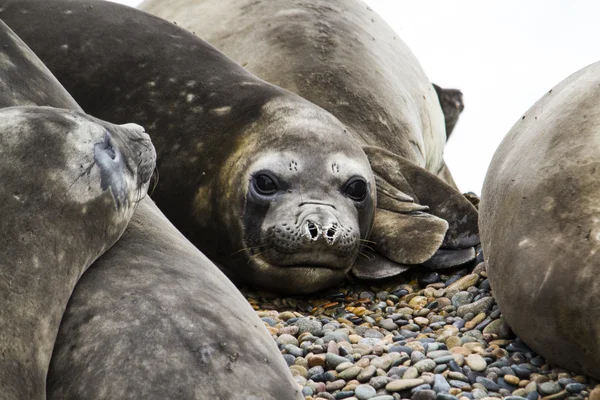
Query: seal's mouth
303, 260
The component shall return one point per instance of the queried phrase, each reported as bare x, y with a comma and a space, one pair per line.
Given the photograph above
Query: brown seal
540, 228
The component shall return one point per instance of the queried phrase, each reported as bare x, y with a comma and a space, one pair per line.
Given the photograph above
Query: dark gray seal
275, 189
153, 318
540, 228
343, 57
70, 184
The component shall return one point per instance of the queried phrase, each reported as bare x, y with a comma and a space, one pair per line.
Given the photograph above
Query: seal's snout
322, 231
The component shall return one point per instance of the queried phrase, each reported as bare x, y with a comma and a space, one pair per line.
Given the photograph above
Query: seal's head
304, 200
94, 162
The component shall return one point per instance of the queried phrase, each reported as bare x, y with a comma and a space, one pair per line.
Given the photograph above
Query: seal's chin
305, 259
299, 278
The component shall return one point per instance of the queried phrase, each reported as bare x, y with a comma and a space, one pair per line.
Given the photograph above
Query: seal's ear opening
420, 219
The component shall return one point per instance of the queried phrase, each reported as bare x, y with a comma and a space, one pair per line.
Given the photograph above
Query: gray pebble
364, 392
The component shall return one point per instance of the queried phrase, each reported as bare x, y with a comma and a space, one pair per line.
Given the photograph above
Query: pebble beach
423, 336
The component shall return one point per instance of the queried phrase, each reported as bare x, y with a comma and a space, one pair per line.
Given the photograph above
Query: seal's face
308, 204
88, 157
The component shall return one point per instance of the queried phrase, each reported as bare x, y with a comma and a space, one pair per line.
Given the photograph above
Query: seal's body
272, 187
540, 228
70, 184
153, 318
338, 54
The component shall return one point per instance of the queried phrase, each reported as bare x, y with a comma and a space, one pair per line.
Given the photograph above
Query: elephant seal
273, 188
153, 318
539, 224
70, 184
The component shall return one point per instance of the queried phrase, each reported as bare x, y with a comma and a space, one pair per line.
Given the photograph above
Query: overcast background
503, 55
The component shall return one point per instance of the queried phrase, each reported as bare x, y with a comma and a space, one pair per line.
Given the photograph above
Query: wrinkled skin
539, 224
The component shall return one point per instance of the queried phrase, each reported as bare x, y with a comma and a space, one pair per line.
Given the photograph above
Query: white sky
503, 56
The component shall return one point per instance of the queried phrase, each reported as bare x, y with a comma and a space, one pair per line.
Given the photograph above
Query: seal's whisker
244, 248
155, 177
367, 241
257, 254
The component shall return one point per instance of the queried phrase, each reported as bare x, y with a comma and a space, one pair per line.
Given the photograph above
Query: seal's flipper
448, 258
451, 101
407, 238
372, 265
426, 189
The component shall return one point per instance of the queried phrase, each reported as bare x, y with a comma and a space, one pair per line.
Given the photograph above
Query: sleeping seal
275, 189
540, 228
70, 184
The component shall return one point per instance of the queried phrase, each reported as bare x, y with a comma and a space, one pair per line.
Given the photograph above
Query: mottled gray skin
69, 186
338, 54
217, 128
540, 228
57, 218
343, 57
153, 318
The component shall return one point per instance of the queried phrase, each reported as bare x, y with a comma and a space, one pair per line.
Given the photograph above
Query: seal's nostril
313, 231
330, 233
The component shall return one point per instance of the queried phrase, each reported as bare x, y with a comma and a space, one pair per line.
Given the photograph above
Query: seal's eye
265, 185
356, 189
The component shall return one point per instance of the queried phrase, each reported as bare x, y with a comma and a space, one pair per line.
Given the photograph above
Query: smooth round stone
475, 308
367, 373
440, 384
399, 385
307, 391
489, 384
289, 359
387, 324
350, 373
549, 388
379, 382
343, 394
512, 380
310, 325
453, 341
425, 365
383, 397
294, 350
335, 385
575, 387
287, 339
333, 360
411, 373
445, 396
364, 392
476, 362
417, 356
423, 395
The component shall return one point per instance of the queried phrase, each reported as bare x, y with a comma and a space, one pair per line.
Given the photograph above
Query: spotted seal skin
540, 228
57, 218
343, 57
153, 318
239, 157
59, 211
